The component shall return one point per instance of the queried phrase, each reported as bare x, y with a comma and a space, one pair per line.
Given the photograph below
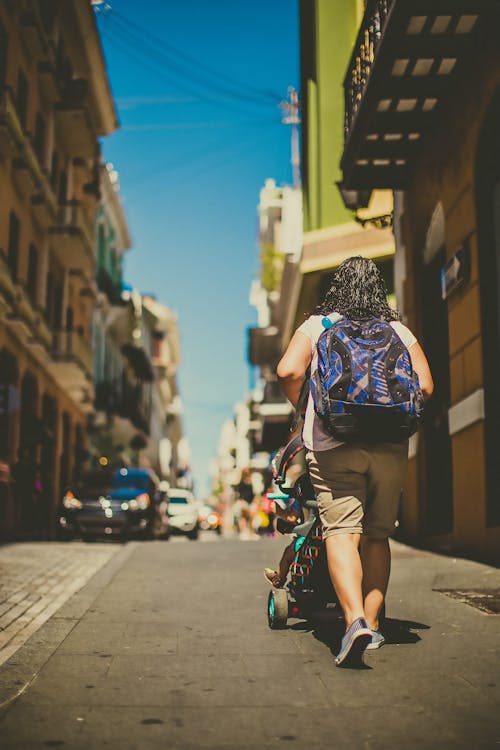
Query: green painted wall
328, 29
108, 259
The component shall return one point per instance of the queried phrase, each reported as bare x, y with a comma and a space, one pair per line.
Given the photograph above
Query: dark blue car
124, 503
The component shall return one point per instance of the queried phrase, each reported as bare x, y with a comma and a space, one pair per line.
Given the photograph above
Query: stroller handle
278, 496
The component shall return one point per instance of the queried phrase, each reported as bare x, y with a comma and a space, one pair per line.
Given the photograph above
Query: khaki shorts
358, 487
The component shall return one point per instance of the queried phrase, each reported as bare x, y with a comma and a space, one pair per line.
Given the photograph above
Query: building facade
167, 450
332, 231
280, 241
422, 96
111, 426
55, 103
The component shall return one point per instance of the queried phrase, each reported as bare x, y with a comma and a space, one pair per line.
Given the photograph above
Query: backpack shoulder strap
304, 393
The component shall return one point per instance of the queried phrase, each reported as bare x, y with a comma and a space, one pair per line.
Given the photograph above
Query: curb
22, 668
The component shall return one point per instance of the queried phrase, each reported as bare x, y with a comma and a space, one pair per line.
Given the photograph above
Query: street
167, 645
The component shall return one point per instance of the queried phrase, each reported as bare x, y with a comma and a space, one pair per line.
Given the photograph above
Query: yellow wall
445, 173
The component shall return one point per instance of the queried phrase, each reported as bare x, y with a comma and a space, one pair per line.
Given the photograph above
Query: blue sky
195, 145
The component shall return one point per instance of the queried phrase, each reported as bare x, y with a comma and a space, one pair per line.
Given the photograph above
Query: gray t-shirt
314, 436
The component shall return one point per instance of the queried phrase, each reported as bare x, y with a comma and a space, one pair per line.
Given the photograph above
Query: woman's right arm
421, 366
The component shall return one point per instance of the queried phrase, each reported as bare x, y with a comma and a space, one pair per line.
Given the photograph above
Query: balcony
71, 360
274, 406
42, 196
264, 346
133, 407
272, 418
139, 362
7, 285
73, 120
48, 79
26, 321
11, 132
407, 56
32, 32
108, 396
23, 315
73, 237
42, 335
22, 177
43, 208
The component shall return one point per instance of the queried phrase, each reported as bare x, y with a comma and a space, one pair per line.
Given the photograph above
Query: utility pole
291, 108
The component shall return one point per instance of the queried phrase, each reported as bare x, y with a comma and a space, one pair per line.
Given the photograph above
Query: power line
269, 96
201, 155
131, 52
134, 45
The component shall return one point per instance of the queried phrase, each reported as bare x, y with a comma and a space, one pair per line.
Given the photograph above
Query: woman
244, 506
357, 485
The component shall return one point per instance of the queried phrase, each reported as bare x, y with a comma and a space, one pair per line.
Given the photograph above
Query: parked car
183, 513
127, 502
210, 519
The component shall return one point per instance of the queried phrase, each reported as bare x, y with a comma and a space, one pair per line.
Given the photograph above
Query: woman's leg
344, 566
387, 473
376, 562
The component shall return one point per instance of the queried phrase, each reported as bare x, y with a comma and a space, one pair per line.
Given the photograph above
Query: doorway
439, 495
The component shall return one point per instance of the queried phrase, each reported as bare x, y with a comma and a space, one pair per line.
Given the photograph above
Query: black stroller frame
310, 589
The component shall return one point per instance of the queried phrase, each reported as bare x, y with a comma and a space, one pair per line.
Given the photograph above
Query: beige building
164, 445
423, 118
55, 102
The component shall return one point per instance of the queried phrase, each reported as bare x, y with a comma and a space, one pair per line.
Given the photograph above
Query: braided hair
357, 291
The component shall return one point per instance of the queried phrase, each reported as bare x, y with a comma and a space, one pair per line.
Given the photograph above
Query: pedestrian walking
244, 506
357, 459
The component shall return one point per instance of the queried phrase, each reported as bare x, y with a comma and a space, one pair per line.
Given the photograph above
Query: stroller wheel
277, 609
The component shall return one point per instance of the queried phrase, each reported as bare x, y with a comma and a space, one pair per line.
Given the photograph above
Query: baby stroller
310, 589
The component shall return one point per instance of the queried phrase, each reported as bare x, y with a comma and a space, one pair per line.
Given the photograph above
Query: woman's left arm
293, 365
421, 366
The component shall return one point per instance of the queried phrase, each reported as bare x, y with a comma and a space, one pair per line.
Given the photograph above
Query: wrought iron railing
363, 57
71, 216
71, 346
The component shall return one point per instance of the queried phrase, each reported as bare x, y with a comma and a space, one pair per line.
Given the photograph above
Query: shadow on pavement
329, 629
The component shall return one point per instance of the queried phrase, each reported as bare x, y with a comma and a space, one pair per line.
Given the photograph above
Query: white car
183, 512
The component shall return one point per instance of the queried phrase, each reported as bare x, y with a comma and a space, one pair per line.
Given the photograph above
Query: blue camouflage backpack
364, 388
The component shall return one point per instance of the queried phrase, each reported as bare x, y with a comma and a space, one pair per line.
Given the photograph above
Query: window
63, 188
58, 307
3, 56
22, 98
32, 272
39, 140
69, 318
48, 10
63, 65
49, 298
13, 251
134, 479
54, 170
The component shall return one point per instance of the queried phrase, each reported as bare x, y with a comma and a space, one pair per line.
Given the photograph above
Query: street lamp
354, 199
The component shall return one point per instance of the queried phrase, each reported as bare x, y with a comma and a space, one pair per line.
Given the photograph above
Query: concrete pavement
168, 647
35, 581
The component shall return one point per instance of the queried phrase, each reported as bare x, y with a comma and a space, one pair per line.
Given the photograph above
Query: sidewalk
168, 647
35, 581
